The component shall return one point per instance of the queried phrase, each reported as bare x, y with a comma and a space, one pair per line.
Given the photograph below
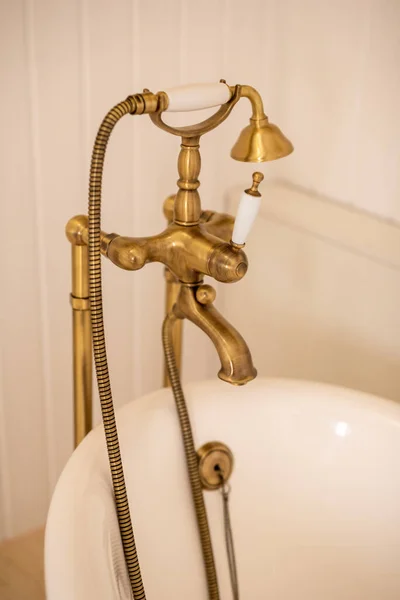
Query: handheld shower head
261, 141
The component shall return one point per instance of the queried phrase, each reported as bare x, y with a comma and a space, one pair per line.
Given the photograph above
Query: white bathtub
315, 498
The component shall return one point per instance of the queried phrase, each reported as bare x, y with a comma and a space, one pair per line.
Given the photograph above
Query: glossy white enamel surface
315, 498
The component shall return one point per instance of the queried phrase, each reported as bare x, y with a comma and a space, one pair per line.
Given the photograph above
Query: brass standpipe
195, 243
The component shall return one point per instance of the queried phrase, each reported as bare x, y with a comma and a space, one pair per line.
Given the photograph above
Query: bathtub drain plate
215, 464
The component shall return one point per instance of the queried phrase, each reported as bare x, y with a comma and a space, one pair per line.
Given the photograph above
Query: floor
21, 567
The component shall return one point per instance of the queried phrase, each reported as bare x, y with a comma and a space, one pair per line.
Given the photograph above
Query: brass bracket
79, 303
198, 129
215, 464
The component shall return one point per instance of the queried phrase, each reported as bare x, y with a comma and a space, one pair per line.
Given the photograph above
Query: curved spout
236, 362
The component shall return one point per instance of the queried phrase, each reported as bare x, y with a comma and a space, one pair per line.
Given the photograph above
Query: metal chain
230, 548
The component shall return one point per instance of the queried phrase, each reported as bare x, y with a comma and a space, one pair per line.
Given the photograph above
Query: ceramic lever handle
248, 208
197, 96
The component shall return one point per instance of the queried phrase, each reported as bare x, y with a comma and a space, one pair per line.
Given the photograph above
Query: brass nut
241, 270
205, 294
227, 264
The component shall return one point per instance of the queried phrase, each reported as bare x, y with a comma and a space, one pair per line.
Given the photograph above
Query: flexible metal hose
191, 458
99, 345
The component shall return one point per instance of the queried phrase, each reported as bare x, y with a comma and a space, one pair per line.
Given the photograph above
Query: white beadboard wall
328, 308
328, 72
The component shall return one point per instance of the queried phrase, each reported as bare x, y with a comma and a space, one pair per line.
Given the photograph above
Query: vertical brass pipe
172, 287
172, 291
82, 343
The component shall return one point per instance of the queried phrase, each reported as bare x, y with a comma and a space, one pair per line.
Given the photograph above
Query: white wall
328, 305
328, 73
337, 88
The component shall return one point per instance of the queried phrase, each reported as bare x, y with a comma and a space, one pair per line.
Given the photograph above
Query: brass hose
191, 457
99, 345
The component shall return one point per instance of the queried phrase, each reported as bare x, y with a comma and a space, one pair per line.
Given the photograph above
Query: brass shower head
261, 141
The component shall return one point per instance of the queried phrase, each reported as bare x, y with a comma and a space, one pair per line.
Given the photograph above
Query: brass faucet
195, 242
190, 253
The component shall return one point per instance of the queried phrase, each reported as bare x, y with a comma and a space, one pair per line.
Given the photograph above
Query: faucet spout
195, 304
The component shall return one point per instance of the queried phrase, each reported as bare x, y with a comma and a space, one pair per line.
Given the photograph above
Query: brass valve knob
257, 179
247, 211
227, 263
205, 294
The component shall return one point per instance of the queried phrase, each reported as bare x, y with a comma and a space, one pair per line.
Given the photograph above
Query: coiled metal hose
99, 345
104, 385
191, 458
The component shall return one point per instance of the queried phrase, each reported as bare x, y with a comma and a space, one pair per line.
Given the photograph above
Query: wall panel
321, 295
26, 481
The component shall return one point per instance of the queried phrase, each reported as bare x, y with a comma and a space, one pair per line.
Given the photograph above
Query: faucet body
196, 242
189, 253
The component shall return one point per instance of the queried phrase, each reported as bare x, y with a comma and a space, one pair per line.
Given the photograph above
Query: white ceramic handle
247, 211
248, 208
197, 96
